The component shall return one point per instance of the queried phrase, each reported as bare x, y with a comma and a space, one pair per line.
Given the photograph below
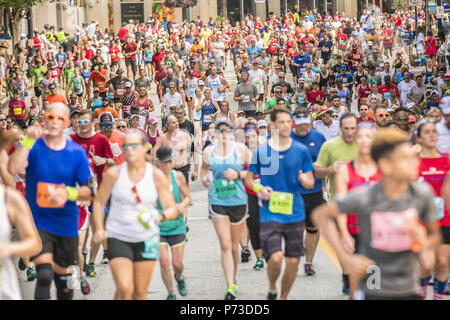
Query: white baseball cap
302, 119
262, 123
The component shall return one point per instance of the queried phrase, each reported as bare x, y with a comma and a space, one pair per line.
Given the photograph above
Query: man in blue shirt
54, 168
253, 50
300, 61
313, 141
284, 166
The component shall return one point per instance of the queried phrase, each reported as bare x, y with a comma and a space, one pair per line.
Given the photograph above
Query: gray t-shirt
384, 236
249, 91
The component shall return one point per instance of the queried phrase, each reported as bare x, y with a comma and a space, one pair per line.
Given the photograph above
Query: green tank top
176, 226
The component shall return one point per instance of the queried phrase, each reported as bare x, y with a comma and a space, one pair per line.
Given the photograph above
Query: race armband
72, 193
257, 187
28, 142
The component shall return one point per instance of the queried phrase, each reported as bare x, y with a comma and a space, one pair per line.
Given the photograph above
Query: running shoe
231, 293
31, 273
84, 284
272, 296
309, 270
90, 270
182, 287
245, 254
171, 296
21, 265
259, 264
105, 259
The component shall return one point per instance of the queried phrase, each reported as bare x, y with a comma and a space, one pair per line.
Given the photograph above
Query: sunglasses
402, 119
106, 126
84, 122
134, 190
335, 116
51, 116
3, 119
363, 109
277, 91
121, 127
132, 146
224, 130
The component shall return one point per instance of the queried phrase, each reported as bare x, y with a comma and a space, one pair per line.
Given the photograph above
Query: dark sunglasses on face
402, 119
224, 130
121, 127
132, 146
4, 119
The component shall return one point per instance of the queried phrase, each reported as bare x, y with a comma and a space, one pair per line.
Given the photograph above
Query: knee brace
62, 290
44, 280
311, 231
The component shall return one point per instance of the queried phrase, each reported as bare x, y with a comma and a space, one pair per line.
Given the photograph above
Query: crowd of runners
342, 130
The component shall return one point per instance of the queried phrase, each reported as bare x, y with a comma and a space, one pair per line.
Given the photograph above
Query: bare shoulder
112, 173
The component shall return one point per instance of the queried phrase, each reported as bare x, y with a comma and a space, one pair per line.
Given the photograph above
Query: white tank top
122, 222
9, 283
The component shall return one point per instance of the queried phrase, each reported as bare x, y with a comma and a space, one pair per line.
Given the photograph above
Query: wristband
163, 215
72, 193
257, 187
28, 142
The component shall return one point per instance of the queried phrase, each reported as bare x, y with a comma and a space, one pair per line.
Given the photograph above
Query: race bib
387, 95
439, 202
77, 88
214, 85
341, 42
390, 230
100, 84
257, 83
225, 188
281, 202
17, 111
207, 118
301, 100
246, 99
43, 193
191, 92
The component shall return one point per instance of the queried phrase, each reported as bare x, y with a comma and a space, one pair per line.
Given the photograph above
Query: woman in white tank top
132, 227
14, 210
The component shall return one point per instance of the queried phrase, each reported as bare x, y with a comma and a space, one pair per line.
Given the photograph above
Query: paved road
203, 271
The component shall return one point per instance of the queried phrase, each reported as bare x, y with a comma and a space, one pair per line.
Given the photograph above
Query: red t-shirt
434, 171
114, 51
130, 47
17, 108
55, 72
387, 33
312, 96
57, 97
88, 53
99, 82
97, 145
369, 119
383, 89
123, 34
116, 141
37, 43
159, 75
157, 58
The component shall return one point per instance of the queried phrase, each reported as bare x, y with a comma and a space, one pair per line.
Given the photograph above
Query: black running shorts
272, 234
236, 214
63, 249
312, 201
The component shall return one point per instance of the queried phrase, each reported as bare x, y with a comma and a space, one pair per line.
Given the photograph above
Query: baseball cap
444, 104
191, 72
152, 120
106, 118
255, 62
201, 83
127, 84
119, 71
259, 112
262, 123
370, 43
302, 118
164, 154
74, 112
343, 67
435, 92
224, 120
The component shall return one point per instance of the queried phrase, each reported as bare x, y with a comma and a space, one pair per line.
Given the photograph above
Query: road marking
325, 246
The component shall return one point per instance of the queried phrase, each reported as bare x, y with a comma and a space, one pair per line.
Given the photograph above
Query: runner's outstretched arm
323, 217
